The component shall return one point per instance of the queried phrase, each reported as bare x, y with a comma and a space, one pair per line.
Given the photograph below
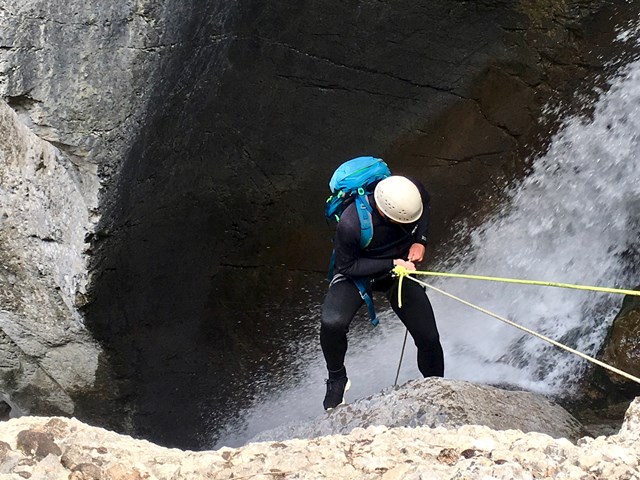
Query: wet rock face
202, 137
621, 348
604, 396
218, 213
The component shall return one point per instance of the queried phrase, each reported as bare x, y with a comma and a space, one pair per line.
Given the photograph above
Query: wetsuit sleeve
348, 252
422, 228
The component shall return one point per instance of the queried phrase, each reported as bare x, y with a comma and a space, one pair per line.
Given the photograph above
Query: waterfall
574, 219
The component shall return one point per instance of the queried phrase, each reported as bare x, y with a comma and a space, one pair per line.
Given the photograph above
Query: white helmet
399, 199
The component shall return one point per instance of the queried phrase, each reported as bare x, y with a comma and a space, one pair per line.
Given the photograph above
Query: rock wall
621, 348
47, 354
79, 79
604, 395
218, 216
195, 137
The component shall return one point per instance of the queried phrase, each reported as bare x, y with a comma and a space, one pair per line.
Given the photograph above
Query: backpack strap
364, 209
363, 206
361, 284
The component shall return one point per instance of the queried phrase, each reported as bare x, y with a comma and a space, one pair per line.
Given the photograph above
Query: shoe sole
346, 389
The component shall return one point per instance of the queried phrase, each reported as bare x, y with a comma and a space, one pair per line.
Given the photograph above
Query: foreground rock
54, 448
436, 402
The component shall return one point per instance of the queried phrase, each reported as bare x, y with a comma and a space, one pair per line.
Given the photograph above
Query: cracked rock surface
53, 448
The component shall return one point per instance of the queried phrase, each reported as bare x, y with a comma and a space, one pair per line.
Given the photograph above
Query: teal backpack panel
353, 181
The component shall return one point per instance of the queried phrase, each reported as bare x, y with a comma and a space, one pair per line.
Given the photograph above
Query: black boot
337, 384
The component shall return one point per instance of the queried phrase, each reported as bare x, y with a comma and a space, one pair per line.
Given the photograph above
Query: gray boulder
437, 402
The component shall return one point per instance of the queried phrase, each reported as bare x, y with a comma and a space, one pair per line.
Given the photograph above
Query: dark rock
37, 444
621, 348
217, 219
5, 411
4, 448
604, 396
449, 456
56, 427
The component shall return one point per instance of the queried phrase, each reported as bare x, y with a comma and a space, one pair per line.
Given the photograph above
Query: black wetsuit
390, 241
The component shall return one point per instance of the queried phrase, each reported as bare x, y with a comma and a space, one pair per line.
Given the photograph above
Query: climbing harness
402, 272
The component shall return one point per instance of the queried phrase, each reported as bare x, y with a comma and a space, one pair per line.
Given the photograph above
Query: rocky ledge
55, 448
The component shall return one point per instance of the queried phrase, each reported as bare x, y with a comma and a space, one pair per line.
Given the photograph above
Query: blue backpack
352, 182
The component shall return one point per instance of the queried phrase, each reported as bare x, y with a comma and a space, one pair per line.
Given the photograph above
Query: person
400, 219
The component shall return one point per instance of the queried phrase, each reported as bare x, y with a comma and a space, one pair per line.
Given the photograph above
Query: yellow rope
398, 269
403, 272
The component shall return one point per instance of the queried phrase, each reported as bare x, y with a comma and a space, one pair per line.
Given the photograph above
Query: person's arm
348, 251
422, 228
419, 246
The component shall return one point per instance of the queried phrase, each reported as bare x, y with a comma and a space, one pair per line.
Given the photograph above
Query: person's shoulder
349, 215
349, 225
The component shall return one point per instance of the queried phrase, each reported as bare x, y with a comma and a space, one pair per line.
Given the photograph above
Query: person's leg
417, 315
340, 306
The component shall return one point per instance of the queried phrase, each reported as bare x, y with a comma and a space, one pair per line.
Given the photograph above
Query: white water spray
574, 219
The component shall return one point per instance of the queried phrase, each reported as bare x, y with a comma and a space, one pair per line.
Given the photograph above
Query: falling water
574, 219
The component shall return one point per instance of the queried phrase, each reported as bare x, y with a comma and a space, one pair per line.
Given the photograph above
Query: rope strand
404, 343
397, 270
403, 272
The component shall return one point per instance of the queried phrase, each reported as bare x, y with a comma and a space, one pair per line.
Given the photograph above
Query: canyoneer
384, 223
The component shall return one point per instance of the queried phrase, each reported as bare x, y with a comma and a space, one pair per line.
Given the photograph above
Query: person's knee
333, 322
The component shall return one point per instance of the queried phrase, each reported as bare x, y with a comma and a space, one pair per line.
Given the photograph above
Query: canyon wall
177, 156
